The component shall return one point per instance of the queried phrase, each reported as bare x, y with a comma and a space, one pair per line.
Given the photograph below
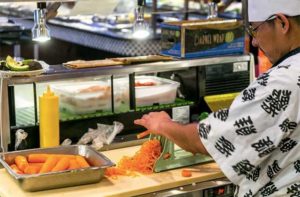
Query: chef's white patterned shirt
256, 142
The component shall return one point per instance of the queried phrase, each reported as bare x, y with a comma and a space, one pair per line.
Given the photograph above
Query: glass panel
24, 104
81, 98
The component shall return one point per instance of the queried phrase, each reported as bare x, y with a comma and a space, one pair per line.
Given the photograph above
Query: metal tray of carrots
49, 178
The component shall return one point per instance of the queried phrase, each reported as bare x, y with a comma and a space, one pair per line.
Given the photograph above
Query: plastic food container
51, 180
151, 90
84, 97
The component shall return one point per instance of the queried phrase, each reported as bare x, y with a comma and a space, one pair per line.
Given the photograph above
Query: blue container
202, 38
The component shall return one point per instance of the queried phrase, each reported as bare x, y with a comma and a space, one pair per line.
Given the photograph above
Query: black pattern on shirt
268, 189
264, 146
249, 194
221, 114
249, 94
244, 126
224, 146
204, 130
263, 79
297, 166
287, 144
298, 81
277, 101
287, 125
283, 66
294, 190
245, 168
273, 169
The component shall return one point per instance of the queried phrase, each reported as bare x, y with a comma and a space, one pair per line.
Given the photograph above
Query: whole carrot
15, 168
49, 164
37, 158
61, 165
82, 162
37, 165
73, 164
65, 155
21, 162
143, 134
31, 170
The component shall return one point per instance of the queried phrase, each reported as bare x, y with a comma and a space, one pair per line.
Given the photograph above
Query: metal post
154, 17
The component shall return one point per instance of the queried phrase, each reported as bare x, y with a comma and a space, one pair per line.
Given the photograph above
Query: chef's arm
185, 136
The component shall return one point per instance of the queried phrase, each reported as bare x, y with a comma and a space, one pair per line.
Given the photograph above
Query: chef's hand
154, 121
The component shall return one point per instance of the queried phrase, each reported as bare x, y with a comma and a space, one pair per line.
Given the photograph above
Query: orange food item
21, 162
143, 134
37, 158
82, 162
37, 165
41, 158
15, 168
64, 155
186, 173
49, 164
114, 172
62, 164
143, 161
167, 156
31, 170
147, 83
73, 165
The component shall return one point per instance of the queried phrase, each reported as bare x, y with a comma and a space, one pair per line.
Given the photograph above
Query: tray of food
150, 90
10, 67
85, 96
49, 168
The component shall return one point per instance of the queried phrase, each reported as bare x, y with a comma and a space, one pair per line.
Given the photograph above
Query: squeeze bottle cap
48, 92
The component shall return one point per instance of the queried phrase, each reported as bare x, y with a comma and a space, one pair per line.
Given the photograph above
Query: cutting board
123, 185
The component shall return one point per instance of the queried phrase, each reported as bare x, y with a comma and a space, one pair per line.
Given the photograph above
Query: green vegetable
15, 65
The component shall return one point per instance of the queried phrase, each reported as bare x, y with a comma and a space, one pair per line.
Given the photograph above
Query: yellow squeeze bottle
49, 119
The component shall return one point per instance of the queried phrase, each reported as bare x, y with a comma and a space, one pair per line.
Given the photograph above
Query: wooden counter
123, 185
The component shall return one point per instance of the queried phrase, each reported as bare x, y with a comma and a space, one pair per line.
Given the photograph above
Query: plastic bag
104, 134
66, 142
20, 142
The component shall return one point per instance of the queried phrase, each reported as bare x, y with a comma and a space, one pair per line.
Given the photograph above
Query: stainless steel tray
37, 182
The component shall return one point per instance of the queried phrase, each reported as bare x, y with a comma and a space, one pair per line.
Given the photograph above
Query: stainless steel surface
190, 190
5, 124
66, 178
128, 69
14, 1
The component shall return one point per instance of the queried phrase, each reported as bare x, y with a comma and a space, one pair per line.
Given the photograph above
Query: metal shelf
57, 72
25, 116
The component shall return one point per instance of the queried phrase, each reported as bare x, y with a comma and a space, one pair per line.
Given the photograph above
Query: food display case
103, 95
123, 93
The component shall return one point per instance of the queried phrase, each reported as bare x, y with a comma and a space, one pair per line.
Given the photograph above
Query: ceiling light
40, 31
140, 27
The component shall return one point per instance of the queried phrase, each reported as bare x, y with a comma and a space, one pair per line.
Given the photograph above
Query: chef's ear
284, 22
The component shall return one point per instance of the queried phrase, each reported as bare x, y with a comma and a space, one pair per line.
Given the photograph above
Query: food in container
84, 97
66, 178
151, 90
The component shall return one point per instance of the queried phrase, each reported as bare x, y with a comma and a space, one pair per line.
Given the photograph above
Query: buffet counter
123, 185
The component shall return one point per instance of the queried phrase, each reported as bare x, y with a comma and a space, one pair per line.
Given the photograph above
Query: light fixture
40, 31
212, 10
140, 27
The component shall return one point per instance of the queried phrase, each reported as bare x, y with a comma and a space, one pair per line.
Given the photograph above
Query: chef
256, 141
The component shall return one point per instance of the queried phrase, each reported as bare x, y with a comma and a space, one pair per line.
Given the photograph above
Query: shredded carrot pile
143, 161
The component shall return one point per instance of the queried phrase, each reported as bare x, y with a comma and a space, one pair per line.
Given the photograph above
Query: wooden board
123, 186
78, 64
